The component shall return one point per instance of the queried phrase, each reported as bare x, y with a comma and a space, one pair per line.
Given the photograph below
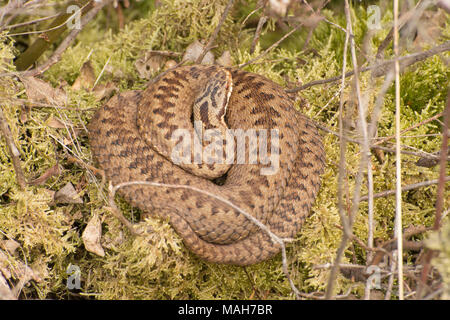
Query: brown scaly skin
121, 131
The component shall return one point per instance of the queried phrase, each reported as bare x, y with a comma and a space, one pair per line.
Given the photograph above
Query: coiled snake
132, 138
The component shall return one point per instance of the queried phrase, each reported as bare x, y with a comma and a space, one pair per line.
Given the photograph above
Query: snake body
131, 139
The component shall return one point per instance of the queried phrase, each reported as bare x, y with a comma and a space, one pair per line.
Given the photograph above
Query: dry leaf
113, 242
427, 162
5, 290
4, 266
92, 235
25, 273
10, 245
193, 52
147, 65
55, 122
379, 154
19, 270
114, 71
55, 170
51, 193
77, 215
66, 141
225, 59
40, 91
104, 90
24, 113
86, 79
67, 194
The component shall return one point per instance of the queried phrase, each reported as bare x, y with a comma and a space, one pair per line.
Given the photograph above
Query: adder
132, 138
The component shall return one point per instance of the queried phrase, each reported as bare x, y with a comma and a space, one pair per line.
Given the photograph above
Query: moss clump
158, 266
172, 26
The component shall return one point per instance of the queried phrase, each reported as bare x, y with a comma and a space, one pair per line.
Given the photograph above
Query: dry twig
407, 188
421, 154
213, 37
383, 67
439, 194
271, 47
13, 151
56, 56
57, 27
398, 163
346, 221
259, 27
384, 139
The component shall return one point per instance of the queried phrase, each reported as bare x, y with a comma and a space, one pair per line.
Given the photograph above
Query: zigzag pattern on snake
123, 131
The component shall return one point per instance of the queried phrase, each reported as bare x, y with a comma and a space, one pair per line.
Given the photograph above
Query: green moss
173, 26
158, 266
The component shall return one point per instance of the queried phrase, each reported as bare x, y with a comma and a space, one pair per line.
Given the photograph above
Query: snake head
211, 103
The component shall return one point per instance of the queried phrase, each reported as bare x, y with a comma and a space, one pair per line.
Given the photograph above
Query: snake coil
132, 139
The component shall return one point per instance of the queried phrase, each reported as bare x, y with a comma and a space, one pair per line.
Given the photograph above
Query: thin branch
13, 151
101, 72
408, 187
271, 47
262, 20
71, 159
371, 133
384, 139
439, 194
30, 22
398, 163
61, 25
259, 27
10, 6
36, 104
383, 67
343, 141
442, 166
166, 53
56, 56
314, 25
346, 222
45, 40
408, 233
412, 153
376, 113
250, 14
339, 92
412, 15
213, 37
